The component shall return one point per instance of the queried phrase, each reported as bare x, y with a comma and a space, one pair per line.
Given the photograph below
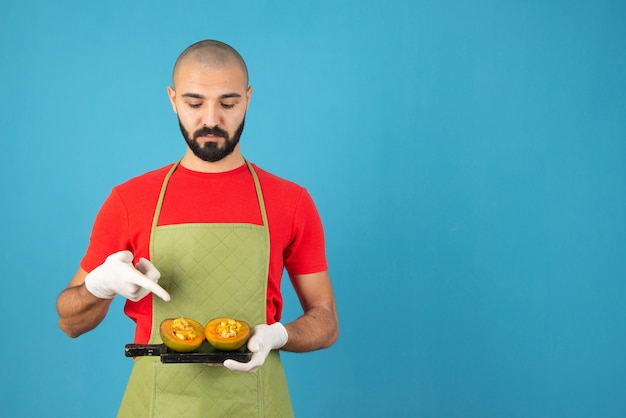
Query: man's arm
79, 310
84, 304
318, 327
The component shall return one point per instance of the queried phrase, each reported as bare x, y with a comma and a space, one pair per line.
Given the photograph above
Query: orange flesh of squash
227, 334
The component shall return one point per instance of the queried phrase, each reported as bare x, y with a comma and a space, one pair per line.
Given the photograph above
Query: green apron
210, 270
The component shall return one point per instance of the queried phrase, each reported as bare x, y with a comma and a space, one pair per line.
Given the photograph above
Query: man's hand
264, 339
117, 275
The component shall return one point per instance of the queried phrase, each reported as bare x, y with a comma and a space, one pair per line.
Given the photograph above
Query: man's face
211, 105
211, 151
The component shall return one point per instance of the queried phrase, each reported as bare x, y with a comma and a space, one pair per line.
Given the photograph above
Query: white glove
264, 339
118, 276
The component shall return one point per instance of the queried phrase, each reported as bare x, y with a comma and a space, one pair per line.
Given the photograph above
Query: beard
212, 151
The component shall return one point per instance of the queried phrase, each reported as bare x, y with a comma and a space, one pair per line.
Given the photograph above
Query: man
207, 237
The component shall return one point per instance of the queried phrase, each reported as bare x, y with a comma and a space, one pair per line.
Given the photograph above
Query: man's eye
195, 105
228, 105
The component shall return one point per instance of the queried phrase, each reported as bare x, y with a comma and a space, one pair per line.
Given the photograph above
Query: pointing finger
144, 282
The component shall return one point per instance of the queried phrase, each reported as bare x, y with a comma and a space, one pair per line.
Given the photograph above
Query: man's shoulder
265, 177
144, 181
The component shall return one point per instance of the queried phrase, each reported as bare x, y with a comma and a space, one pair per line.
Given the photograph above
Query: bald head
210, 54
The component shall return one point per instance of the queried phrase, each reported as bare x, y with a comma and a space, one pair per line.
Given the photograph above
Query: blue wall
467, 159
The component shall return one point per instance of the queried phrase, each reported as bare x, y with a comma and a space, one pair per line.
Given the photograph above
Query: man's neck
191, 162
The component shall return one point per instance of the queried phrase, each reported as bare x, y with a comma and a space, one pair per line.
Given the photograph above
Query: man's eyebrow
223, 96
230, 95
193, 95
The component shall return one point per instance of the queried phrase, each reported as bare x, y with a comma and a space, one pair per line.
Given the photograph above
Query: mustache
215, 131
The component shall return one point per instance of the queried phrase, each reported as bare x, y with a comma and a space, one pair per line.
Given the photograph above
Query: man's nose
211, 116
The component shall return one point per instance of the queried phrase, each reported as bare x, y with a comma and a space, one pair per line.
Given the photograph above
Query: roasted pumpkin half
227, 334
181, 334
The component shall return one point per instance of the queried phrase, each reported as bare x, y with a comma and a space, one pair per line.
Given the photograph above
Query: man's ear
172, 95
248, 96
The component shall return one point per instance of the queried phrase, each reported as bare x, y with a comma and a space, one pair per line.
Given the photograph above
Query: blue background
467, 159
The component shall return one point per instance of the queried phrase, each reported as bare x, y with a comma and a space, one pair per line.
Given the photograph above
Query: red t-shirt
125, 219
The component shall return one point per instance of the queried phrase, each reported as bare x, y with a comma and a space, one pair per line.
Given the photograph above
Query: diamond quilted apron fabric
210, 270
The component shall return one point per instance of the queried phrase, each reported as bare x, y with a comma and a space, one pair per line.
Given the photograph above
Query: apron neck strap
257, 186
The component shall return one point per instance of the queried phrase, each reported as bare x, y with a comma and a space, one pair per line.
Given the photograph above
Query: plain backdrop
466, 157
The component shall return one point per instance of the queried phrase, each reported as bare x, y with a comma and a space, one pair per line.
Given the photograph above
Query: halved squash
181, 334
227, 334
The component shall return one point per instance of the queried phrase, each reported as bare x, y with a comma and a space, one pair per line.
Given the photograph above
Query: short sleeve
306, 251
109, 233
